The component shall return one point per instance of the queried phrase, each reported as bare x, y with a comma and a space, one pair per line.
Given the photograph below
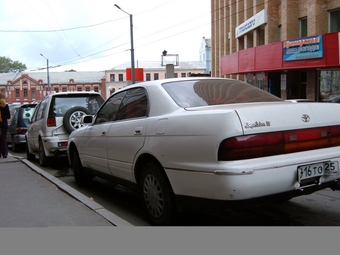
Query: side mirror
87, 119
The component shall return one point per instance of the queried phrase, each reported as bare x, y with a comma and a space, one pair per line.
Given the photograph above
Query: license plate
318, 169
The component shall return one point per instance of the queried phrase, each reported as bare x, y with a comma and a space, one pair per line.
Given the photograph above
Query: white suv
54, 118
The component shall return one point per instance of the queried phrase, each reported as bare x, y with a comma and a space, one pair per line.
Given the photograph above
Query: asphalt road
318, 209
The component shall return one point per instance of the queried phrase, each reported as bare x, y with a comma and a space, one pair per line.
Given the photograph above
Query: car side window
39, 114
109, 111
134, 104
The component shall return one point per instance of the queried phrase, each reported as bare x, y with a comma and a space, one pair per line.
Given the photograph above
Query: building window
112, 77
79, 89
183, 75
25, 93
155, 76
64, 89
303, 27
33, 93
56, 90
17, 93
148, 77
120, 77
2, 91
87, 89
96, 89
334, 21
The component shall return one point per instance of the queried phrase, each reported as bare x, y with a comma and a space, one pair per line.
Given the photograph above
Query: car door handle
103, 133
138, 131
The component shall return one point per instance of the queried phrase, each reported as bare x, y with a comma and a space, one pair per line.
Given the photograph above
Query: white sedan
207, 143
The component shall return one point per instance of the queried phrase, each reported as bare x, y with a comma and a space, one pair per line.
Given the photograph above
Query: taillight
21, 130
276, 143
51, 122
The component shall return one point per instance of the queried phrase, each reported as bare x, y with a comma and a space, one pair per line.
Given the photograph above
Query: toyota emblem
305, 118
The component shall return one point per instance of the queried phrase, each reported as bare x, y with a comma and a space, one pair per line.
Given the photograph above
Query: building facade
21, 88
205, 54
287, 47
119, 77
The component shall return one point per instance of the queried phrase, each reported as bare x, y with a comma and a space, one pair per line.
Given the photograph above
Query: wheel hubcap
75, 119
153, 196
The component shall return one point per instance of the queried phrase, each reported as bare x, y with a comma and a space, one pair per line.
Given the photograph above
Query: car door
127, 133
35, 125
93, 147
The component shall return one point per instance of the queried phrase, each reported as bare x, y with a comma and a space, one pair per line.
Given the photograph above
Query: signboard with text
303, 48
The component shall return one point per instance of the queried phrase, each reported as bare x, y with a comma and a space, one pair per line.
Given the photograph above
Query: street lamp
48, 74
132, 50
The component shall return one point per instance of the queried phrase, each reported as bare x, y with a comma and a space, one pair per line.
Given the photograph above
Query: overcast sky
95, 35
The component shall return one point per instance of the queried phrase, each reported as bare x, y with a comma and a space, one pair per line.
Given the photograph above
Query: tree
7, 65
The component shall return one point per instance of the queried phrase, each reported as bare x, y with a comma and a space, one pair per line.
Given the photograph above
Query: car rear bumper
252, 179
187, 203
53, 148
19, 139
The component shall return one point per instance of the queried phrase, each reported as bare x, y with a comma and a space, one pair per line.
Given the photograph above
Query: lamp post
132, 49
48, 74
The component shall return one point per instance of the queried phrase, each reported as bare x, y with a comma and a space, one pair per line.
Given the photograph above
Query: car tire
72, 118
43, 160
81, 177
157, 195
29, 155
15, 147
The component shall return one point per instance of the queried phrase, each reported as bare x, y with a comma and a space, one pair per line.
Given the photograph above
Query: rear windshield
215, 92
26, 114
61, 104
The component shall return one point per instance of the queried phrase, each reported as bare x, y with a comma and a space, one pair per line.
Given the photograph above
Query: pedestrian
4, 116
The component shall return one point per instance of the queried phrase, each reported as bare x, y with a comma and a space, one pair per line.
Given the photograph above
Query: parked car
207, 143
54, 118
18, 124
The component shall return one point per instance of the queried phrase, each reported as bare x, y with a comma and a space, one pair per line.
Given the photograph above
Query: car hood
276, 116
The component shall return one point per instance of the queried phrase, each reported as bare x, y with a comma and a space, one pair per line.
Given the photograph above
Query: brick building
287, 47
33, 86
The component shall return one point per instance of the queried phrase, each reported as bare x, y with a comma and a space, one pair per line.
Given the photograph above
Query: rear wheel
43, 160
15, 147
81, 177
157, 195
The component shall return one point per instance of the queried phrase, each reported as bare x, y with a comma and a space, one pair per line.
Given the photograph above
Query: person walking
4, 116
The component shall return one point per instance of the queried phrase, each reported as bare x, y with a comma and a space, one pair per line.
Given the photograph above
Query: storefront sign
252, 23
304, 48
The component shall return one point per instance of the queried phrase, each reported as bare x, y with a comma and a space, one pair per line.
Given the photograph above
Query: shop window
303, 27
155, 76
330, 86
334, 20
183, 75
112, 77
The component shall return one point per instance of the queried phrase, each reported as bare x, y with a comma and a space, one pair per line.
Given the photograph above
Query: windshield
195, 93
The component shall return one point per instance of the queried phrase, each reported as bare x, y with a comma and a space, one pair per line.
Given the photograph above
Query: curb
111, 217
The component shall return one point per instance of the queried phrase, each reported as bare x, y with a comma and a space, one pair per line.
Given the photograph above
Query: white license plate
318, 169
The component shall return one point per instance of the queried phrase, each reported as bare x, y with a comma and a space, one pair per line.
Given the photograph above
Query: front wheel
29, 155
43, 160
157, 195
81, 177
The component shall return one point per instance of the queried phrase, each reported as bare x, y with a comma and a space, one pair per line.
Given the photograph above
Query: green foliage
7, 65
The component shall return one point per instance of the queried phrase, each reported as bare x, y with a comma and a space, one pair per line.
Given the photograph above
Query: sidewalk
31, 197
